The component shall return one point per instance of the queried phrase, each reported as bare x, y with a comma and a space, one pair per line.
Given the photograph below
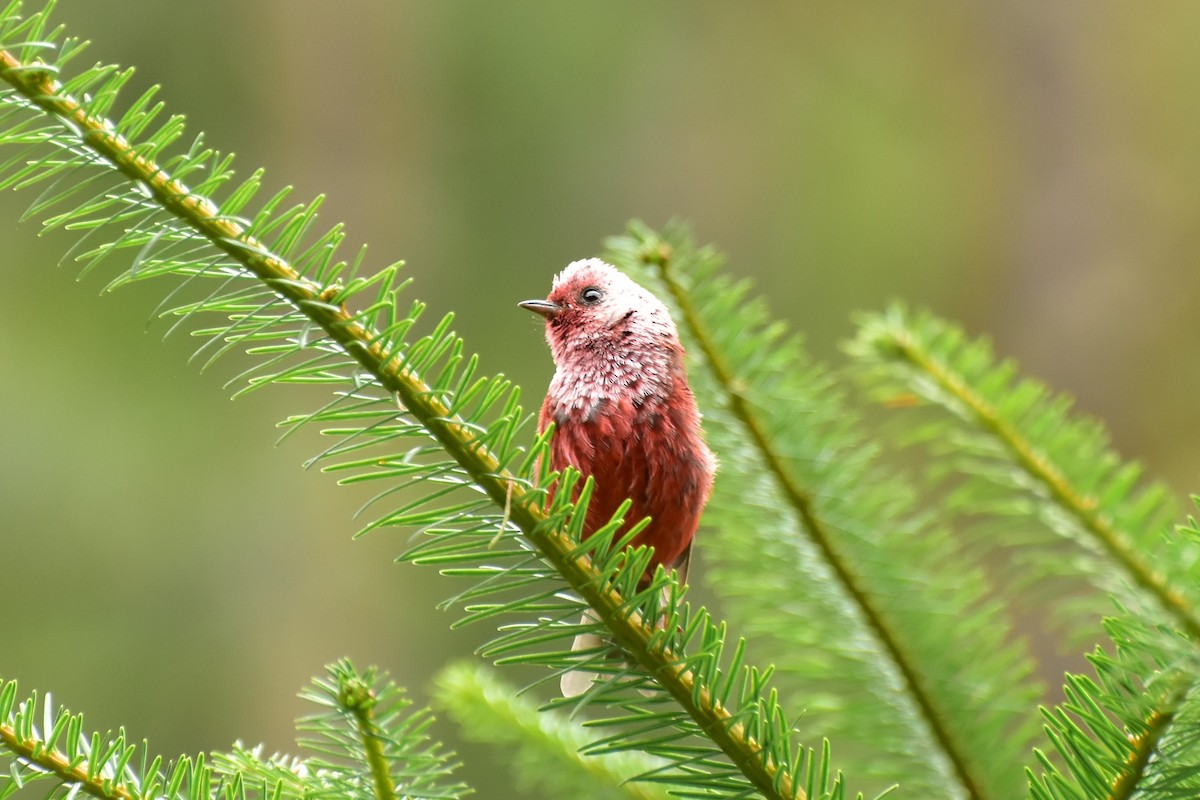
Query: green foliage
1023, 457
365, 746
1175, 770
825, 561
882, 629
1017, 452
1131, 731
542, 750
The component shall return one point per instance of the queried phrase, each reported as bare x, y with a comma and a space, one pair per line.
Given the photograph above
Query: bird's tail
578, 681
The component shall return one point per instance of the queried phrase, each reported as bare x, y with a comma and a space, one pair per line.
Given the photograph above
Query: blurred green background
1028, 169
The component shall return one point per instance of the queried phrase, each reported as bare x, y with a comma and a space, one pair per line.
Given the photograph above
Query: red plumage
623, 410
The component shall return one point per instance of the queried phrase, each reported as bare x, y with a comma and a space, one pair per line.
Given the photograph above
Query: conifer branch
319, 303
658, 255
1112, 733
323, 306
355, 696
1171, 766
374, 748
72, 771
1083, 508
1142, 747
542, 746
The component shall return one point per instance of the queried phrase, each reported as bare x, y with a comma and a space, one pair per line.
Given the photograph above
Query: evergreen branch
1165, 758
1131, 732
1142, 747
56, 762
316, 302
429, 381
1171, 769
369, 744
659, 255
356, 697
931, 359
103, 766
821, 553
386, 751
542, 749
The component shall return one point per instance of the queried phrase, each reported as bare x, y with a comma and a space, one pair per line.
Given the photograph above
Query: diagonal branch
321, 305
801, 501
75, 773
1083, 508
1142, 747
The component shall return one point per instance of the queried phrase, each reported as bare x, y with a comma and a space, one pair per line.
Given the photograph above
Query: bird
624, 414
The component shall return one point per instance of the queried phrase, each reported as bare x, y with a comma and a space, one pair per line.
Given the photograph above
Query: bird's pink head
596, 311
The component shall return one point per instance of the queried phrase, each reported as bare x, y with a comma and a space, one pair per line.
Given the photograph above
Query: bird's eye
590, 296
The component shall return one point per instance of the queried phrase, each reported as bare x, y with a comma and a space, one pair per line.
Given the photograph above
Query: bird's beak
544, 307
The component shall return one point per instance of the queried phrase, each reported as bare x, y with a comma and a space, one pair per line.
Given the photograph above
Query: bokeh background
1029, 169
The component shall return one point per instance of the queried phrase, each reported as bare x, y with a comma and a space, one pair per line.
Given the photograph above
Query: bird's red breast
622, 408
647, 452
